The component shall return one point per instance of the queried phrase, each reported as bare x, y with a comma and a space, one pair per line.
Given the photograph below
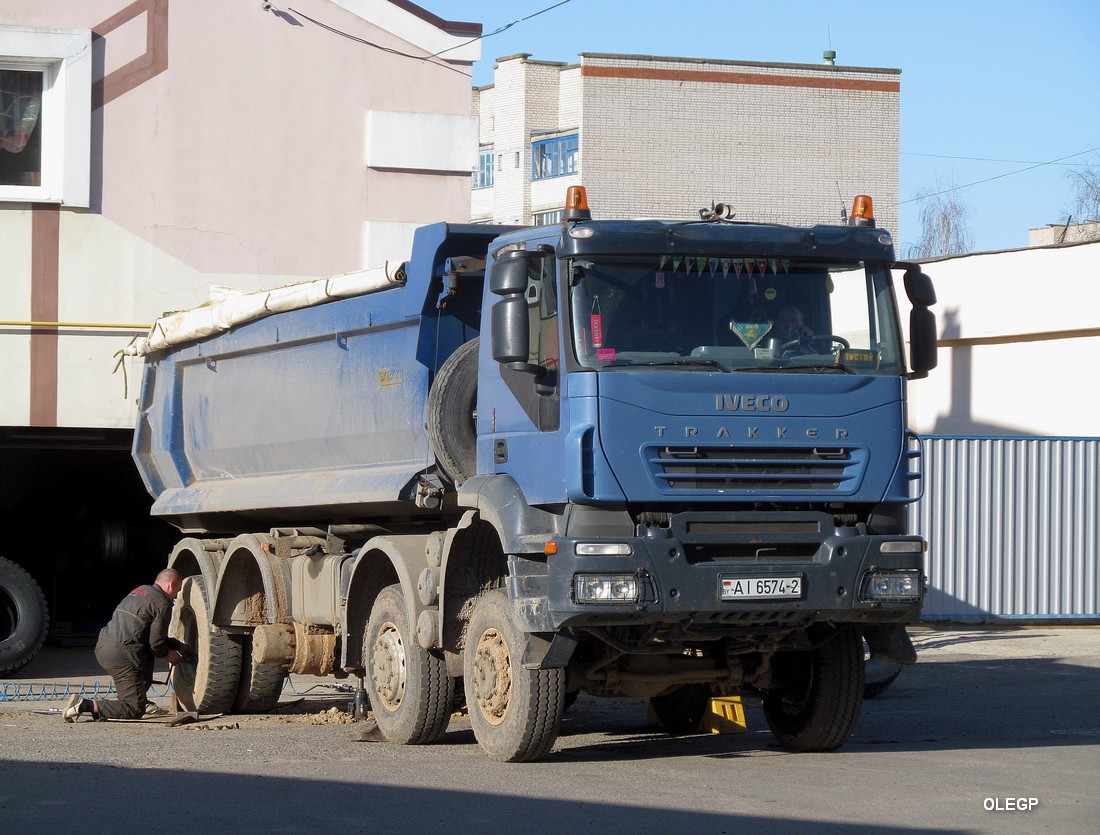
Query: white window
483, 177
45, 115
548, 218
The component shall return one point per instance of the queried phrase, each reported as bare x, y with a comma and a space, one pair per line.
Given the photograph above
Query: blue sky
987, 88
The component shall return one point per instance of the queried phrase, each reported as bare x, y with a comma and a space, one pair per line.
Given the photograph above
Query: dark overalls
136, 634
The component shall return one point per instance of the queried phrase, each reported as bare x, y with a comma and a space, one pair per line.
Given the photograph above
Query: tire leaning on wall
24, 617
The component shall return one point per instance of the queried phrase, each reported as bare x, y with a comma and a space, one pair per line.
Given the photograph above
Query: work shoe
72, 707
152, 710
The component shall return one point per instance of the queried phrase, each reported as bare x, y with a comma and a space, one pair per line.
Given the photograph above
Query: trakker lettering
780, 432
750, 403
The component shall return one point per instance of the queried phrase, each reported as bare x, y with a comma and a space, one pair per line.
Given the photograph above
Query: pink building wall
230, 144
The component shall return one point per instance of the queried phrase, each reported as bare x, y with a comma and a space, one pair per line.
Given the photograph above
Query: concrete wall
1019, 336
229, 145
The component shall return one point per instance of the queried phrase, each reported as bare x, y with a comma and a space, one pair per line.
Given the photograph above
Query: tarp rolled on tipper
228, 308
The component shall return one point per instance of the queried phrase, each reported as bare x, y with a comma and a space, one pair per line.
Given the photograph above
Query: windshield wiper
704, 361
823, 367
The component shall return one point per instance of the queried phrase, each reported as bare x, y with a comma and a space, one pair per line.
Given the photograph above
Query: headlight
605, 588
903, 546
603, 549
891, 586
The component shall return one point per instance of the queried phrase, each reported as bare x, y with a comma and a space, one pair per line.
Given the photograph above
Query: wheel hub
388, 667
492, 676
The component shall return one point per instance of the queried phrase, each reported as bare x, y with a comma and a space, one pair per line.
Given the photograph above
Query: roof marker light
576, 204
863, 211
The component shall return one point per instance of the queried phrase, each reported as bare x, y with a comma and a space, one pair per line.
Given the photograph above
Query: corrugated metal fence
1013, 528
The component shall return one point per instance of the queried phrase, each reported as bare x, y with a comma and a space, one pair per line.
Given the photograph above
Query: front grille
744, 469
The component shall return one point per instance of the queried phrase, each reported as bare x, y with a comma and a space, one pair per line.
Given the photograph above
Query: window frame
557, 156
549, 217
64, 56
483, 176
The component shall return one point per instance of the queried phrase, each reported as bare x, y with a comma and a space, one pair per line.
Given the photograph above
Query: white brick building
1064, 233
664, 137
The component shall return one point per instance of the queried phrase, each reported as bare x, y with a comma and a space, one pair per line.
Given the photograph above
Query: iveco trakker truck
630, 458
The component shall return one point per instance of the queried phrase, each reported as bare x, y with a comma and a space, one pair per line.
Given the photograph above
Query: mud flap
547, 650
890, 642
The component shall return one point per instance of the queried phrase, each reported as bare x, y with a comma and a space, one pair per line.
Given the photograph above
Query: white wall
1020, 344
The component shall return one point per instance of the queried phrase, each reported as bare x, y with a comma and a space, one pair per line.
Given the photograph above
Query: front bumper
679, 579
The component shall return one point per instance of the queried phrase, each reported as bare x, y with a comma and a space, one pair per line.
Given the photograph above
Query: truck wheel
452, 408
24, 617
819, 707
681, 711
209, 683
515, 712
261, 684
409, 688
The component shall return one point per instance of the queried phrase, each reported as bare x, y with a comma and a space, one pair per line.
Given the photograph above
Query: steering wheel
822, 338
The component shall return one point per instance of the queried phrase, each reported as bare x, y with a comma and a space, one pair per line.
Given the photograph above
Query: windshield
734, 313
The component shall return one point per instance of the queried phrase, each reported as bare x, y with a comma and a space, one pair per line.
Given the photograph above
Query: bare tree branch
944, 220
1085, 183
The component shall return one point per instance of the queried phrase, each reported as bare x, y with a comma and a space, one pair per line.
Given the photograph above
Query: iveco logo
750, 403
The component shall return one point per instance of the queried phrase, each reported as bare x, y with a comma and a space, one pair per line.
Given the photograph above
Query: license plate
759, 588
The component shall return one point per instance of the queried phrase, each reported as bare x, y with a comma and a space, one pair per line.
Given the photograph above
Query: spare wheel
452, 413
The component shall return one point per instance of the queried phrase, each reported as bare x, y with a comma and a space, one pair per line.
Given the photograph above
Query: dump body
311, 414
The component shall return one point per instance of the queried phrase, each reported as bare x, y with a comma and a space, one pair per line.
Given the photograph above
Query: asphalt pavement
994, 730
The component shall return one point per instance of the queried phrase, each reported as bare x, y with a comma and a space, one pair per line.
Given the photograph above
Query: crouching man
127, 646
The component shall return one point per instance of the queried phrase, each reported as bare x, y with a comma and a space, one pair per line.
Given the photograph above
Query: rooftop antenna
830, 60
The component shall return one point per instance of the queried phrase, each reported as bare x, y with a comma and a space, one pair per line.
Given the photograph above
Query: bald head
169, 581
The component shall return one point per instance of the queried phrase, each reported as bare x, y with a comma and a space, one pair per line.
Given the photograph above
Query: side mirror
509, 324
922, 341
509, 274
919, 289
922, 321
510, 331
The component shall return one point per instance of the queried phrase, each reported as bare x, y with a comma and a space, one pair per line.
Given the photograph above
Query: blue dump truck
630, 458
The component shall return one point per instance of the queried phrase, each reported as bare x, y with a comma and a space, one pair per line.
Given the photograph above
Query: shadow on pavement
247, 803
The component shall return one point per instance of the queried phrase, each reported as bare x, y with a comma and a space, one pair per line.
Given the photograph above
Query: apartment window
554, 157
483, 177
45, 115
20, 127
547, 218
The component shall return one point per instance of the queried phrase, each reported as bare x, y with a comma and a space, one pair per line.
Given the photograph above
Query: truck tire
209, 682
409, 688
261, 685
452, 408
515, 712
24, 617
819, 708
681, 711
